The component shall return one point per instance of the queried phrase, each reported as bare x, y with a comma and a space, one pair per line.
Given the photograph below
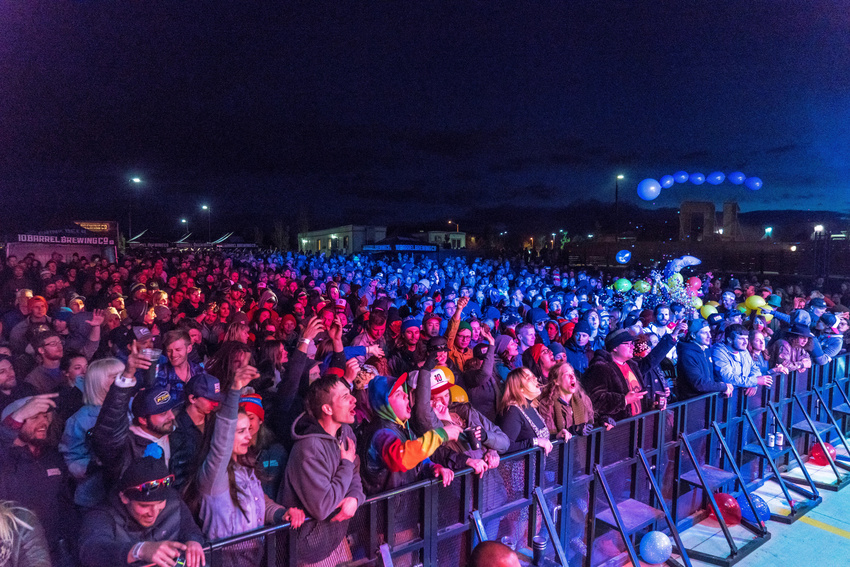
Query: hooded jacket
392, 454
695, 371
317, 480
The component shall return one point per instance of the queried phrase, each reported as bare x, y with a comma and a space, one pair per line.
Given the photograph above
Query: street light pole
184, 221
617, 197
130, 213
209, 222
457, 226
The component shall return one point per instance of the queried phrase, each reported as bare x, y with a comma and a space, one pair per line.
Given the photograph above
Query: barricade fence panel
428, 524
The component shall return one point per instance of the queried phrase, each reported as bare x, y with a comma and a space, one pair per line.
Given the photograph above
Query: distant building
455, 240
348, 239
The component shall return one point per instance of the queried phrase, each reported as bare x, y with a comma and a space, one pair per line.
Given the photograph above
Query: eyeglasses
151, 485
53, 343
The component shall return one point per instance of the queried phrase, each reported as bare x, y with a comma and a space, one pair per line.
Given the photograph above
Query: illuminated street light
457, 226
793, 249
209, 222
184, 221
818, 228
768, 231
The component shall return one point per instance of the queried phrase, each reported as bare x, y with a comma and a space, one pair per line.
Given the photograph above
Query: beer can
771, 440
780, 439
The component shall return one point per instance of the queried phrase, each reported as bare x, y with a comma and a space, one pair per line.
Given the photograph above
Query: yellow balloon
707, 310
768, 317
755, 301
742, 307
458, 394
696, 302
712, 303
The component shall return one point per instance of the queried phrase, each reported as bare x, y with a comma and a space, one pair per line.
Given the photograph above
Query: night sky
376, 112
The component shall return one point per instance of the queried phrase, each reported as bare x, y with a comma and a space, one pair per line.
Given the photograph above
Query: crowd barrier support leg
718, 478
385, 555
811, 427
478, 526
771, 454
674, 531
842, 408
841, 437
625, 531
271, 549
550, 526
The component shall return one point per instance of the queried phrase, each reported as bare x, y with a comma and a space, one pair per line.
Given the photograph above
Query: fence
428, 524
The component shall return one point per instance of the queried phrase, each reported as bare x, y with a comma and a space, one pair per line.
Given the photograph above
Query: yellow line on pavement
825, 526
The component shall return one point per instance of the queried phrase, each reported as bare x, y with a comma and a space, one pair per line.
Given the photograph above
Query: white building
348, 239
456, 240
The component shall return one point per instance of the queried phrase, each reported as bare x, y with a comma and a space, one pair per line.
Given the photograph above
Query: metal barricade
428, 524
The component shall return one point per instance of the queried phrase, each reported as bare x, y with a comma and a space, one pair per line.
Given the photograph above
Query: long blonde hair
99, 377
11, 525
513, 395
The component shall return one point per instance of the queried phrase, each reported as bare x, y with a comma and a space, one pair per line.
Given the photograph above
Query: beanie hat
140, 481
616, 338
582, 327
502, 342
409, 324
696, 326
536, 351
253, 403
464, 325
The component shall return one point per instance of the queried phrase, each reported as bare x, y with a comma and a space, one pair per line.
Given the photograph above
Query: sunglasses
151, 485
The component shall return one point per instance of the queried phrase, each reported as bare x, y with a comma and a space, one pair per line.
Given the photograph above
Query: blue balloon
648, 189
762, 509
753, 183
680, 176
697, 178
715, 178
737, 177
623, 256
656, 547
667, 181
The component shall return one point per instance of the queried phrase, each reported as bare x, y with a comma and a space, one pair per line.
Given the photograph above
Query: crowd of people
167, 400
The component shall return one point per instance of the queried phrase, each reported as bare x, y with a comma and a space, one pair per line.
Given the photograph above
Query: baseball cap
153, 401
204, 385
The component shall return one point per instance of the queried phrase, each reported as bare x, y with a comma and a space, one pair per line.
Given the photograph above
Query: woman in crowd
507, 349
231, 496
74, 447
519, 418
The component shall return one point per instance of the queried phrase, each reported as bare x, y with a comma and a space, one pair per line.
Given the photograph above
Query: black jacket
109, 533
695, 372
607, 387
111, 439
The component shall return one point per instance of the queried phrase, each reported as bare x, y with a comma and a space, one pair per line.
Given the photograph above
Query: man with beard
115, 441
409, 351
33, 472
733, 363
10, 389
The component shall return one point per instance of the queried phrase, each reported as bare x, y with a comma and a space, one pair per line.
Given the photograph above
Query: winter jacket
109, 532
607, 387
483, 388
695, 371
393, 455
577, 357
186, 441
29, 548
454, 454
75, 448
735, 367
112, 442
458, 356
42, 484
317, 480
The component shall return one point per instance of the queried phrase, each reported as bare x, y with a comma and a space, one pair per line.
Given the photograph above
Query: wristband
136, 552
305, 341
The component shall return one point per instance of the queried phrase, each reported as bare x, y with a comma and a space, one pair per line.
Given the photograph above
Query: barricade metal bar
814, 431
761, 526
656, 491
550, 526
825, 408
709, 494
630, 548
